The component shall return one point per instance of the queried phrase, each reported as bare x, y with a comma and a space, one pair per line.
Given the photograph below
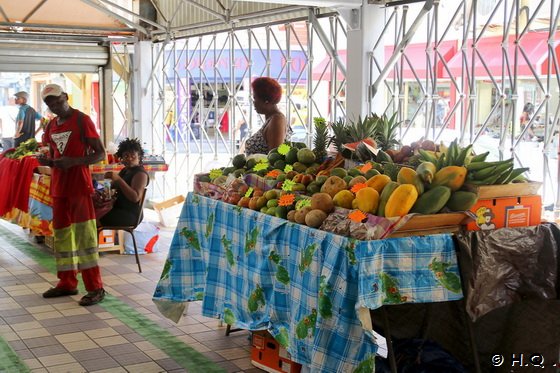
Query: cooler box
495, 213
268, 355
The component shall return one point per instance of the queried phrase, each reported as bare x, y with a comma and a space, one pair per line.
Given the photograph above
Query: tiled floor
125, 333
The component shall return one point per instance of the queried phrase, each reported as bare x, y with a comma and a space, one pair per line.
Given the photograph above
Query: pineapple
386, 132
340, 137
363, 129
321, 140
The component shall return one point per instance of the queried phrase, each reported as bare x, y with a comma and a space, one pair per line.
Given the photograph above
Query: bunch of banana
481, 172
454, 155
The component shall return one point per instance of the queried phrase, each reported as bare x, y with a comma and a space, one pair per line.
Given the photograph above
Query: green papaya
432, 201
462, 200
384, 197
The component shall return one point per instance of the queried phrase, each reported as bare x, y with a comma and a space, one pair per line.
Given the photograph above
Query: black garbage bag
420, 356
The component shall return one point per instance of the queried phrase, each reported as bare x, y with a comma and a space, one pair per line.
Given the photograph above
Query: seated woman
129, 183
266, 95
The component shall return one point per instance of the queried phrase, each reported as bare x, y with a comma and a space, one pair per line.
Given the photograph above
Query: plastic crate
268, 355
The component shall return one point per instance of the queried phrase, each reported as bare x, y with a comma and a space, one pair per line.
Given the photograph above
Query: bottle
107, 188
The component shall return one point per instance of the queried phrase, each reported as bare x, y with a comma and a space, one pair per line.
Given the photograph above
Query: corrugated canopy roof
53, 20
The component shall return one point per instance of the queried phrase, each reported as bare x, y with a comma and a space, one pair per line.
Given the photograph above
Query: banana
442, 147
515, 173
484, 173
452, 153
460, 160
503, 167
491, 180
441, 161
427, 156
504, 175
480, 157
475, 166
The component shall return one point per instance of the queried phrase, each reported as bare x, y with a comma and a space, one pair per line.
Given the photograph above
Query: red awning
416, 53
416, 58
323, 70
534, 44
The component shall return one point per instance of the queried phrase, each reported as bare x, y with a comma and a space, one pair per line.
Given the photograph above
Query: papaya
432, 201
384, 197
462, 200
378, 182
406, 175
367, 200
371, 173
401, 201
452, 177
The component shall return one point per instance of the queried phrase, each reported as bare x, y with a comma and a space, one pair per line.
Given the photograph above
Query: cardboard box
169, 210
268, 355
494, 213
106, 238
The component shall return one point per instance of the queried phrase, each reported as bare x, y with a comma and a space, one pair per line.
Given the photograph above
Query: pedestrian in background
74, 144
525, 118
25, 120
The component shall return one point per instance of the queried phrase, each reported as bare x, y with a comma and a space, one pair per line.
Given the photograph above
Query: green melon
239, 161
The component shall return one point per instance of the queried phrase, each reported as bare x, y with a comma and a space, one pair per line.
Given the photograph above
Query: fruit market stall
25, 187
301, 248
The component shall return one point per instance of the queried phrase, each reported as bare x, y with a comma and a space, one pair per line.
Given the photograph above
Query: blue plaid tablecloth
305, 286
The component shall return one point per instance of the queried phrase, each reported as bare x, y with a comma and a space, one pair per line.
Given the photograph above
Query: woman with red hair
266, 95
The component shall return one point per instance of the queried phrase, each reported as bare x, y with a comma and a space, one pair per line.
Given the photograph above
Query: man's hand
44, 160
64, 162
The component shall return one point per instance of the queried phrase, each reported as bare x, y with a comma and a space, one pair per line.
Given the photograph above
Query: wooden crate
505, 190
169, 210
421, 225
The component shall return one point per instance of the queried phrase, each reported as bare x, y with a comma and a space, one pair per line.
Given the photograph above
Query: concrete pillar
361, 38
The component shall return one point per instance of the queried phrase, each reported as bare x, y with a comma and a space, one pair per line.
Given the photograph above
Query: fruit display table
150, 168
25, 194
309, 288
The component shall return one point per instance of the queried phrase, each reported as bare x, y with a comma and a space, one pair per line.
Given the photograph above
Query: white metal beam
319, 3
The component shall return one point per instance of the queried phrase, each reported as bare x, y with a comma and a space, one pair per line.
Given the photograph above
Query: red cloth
24, 176
224, 123
66, 140
8, 185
